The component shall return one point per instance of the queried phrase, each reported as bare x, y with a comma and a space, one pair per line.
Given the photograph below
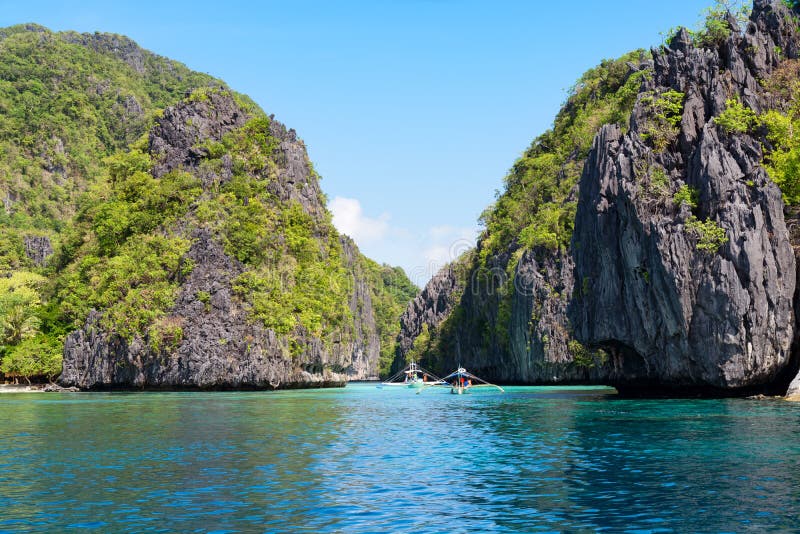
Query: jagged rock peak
176, 134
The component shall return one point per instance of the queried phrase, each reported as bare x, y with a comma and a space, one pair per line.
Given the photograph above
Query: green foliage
249, 230
686, 195
653, 180
665, 112
165, 334
422, 346
12, 250
668, 106
784, 169
70, 108
122, 267
134, 287
736, 117
714, 29
296, 282
783, 161
711, 236
65, 107
26, 350
659, 179
782, 125
34, 356
535, 208
583, 357
546, 229
19, 299
205, 298
391, 291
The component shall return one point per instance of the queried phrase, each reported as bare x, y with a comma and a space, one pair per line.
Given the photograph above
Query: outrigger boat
461, 381
412, 376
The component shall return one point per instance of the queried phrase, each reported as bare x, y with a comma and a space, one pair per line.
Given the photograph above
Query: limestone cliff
220, 343
642, 297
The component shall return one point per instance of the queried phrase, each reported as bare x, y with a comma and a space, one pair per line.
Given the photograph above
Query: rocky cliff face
221, 346
431, 307
682, 315
634, 301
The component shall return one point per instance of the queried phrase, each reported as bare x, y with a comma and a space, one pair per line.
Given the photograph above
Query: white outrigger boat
412, 376
461, 381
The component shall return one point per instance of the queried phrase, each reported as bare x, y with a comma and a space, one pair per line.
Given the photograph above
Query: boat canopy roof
463, 373
411, 369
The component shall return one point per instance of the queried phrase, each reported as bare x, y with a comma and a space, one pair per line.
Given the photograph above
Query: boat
462, 381
412, 376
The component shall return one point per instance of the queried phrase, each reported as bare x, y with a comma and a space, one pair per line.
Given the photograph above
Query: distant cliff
643, 241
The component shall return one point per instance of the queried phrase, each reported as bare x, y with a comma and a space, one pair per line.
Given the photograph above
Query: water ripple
365, 460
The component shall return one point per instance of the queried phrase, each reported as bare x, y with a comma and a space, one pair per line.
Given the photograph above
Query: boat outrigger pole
412, 376
461, 381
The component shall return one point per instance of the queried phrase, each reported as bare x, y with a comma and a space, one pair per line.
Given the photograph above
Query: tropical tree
19, 300
36, 356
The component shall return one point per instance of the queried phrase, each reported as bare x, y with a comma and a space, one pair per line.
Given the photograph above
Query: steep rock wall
632, 301
221, 347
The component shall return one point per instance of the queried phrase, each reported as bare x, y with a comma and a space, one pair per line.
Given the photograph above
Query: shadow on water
605, 463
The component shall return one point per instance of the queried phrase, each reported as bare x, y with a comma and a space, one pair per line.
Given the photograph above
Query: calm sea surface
361, 459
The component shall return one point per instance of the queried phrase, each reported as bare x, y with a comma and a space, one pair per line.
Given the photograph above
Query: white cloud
444, 244
349, 218
421, 252
437, 256
449, 232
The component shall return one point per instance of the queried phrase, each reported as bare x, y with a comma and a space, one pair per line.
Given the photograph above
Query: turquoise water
361, 459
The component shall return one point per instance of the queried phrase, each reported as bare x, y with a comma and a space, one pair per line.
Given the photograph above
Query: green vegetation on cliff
782, 124
67, 101
537, 208
391, 293
114, 260
87, 223
535, 213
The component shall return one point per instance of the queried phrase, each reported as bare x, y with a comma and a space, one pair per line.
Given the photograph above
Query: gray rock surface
174, 138
118, 46
360, 356
432, 306
682, 317
38, 249
221, 349
685, 318
296, 181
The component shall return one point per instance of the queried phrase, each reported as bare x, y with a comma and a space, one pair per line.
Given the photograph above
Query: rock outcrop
634, 302
221, 347
175, 138
684, 317
430, 308
38, 249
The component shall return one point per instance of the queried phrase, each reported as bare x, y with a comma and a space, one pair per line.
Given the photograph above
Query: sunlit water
362, 459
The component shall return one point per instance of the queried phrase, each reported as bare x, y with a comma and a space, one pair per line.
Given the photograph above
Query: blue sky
412, 111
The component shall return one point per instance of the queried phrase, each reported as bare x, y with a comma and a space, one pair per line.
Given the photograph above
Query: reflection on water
365, 460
